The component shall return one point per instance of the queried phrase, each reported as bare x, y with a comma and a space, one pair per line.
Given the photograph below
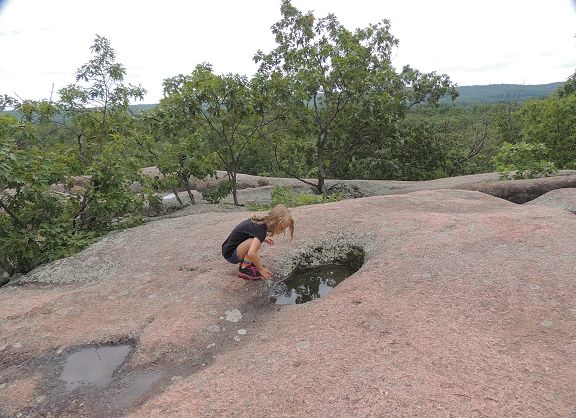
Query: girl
244, 241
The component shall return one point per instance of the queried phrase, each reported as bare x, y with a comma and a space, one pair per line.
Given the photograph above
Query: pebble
3, 385
242, 331
236, 338
176, 378
17, 345
40, 398
2, 348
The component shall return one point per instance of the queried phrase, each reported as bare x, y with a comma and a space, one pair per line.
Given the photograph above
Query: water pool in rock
311, 283
93, 365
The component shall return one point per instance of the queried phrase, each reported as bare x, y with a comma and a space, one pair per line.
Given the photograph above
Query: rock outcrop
464, 306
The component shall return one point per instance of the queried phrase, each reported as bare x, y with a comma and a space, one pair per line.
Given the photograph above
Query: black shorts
234, 259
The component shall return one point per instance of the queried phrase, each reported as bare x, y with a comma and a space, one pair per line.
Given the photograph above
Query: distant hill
495, 93
137, 108
469, 95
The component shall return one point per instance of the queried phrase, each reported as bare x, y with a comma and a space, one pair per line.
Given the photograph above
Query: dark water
306, 285
93, 366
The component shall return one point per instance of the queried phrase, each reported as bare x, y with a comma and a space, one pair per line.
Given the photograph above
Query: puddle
305, 285
135, 387
93, 366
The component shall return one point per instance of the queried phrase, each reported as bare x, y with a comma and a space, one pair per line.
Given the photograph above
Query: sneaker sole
249, 278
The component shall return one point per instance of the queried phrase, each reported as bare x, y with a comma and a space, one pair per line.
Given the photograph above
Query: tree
569, 87
332, 70
230, 112
35, 221
552, 122
97, 106
38, 221
178, 154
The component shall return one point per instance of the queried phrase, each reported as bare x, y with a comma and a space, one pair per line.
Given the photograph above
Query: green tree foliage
35, 222
552, 122
179, 153
334, 71
569, 87
39, 223
548, 136
523, 161
95, 108
229, 112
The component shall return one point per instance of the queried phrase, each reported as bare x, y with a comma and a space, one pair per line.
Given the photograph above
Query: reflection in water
306, 285
93, 366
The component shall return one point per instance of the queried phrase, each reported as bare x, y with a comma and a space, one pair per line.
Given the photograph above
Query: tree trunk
232, 178
177, 197
320, 160
190, 195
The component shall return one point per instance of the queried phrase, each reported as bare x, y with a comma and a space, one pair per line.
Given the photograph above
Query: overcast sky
43, 42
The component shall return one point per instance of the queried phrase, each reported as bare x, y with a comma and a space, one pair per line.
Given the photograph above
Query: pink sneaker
249, 273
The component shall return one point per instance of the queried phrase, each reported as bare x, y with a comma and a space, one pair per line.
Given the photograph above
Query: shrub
219, 192
285, 195
523, 161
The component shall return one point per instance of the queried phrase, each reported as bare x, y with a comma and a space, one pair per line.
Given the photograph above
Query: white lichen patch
233, 316
302, 345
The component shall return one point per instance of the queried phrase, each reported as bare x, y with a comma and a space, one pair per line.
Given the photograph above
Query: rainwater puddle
305, 285
93, 366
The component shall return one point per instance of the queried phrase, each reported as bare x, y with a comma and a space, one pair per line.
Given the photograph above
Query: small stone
40, 398
3, 347
3, 386
214, 328
233, 316
17, 345
546, 323
242, 331
176, 378
59, 351
236, 338
211, 345
19, 414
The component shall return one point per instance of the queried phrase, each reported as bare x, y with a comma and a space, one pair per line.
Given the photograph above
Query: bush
285, 195
523, 161
216, 194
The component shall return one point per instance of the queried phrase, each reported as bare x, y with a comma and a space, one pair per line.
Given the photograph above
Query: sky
43, 43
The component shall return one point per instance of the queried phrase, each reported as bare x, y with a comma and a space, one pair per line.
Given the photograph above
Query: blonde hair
277, 216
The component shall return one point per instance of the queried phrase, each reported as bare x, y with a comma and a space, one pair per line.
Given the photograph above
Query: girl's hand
267, 274
269, 241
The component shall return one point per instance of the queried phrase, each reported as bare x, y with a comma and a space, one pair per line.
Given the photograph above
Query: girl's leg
242, 250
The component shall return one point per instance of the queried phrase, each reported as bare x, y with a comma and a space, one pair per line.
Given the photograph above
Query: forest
325, 103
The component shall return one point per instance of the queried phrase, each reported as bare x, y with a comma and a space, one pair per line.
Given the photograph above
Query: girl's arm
253, 256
